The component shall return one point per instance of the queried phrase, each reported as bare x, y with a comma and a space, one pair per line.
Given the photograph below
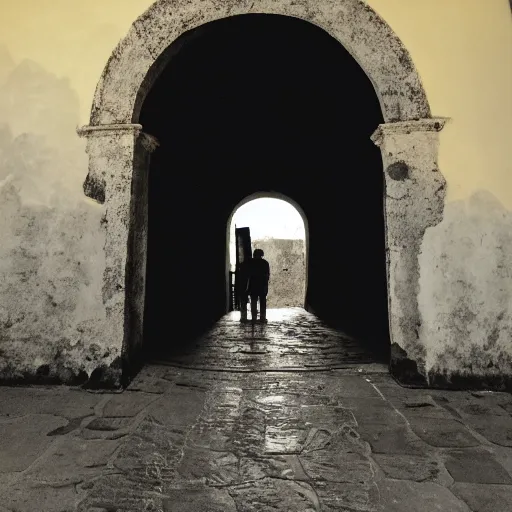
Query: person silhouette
257, 285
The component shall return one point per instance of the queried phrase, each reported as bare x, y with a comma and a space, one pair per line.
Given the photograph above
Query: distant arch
268, 195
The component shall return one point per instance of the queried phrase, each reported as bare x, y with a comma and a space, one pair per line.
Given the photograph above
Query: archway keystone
119, 152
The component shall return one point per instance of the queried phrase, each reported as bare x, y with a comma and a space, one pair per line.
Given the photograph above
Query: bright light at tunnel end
267, 218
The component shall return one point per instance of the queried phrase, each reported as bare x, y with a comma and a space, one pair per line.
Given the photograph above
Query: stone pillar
414, 200
119, 158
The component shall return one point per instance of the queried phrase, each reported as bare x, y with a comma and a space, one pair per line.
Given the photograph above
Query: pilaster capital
149, 143
434, 124
107, 129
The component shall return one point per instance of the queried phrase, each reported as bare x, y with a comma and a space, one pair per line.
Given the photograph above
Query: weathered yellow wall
463, 52
52, 54
462, 49
69, 38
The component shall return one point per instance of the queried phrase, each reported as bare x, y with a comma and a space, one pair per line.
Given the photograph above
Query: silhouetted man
257, 286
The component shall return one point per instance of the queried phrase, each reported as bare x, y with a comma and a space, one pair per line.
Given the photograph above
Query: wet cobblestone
194, 440
310, 441
293, 339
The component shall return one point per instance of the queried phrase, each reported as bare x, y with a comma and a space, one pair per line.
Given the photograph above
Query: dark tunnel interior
258, 103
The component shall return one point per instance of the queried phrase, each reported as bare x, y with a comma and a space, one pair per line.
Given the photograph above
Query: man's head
258, 254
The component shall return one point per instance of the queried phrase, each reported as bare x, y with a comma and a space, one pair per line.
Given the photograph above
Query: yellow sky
462, 49
70, 38
267, 218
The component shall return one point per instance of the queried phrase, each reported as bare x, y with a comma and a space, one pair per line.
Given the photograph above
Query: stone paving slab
484, 498
404, 496
487, 470
59, 401
443, 433
207, 499
24, 439
47, 464
393, 439
415, 468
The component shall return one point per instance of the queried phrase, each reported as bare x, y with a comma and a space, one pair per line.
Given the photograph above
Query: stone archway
119, 151
291, 202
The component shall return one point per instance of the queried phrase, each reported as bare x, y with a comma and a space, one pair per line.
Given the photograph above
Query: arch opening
279, 228
261, 102
119, 155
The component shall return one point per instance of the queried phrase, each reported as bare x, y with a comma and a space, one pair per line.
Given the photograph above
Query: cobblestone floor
192, 440
293, 339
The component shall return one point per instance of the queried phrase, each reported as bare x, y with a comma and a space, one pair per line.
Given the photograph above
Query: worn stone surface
31, 430
108, 424
409, 467
392, 439
272, 494
292, 339
71, 460
400, 496
461, 466
259, 437
46, 462
127, 405
212, 500
372, 410
484, 498
60, 401
181, 407
272, 447
20, 497
444, 433
260, 441
496, 429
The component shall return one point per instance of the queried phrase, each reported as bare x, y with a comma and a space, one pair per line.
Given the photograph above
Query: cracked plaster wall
465, 294
51, 254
